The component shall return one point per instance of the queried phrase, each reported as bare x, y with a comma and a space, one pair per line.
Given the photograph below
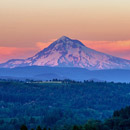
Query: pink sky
26, 24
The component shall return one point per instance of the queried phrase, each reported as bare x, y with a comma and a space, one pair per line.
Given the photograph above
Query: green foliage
61, 104
117, 122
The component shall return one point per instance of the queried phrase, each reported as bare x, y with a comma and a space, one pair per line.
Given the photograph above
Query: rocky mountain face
66, 52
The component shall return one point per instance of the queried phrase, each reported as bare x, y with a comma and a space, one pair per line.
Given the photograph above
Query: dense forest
59, 105
119, 121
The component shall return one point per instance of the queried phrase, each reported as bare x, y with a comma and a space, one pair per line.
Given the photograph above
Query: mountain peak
64, 38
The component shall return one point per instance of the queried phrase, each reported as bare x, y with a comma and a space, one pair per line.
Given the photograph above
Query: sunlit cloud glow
115, 48
42, 45
7, 53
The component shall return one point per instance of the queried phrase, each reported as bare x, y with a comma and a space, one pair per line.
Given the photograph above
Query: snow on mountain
66, 52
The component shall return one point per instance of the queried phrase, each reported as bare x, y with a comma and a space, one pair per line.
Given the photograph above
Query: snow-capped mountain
66, 52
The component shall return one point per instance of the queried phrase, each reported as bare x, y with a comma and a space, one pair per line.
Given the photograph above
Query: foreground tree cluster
119, 121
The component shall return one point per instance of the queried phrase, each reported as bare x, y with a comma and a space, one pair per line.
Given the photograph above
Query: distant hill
79, 74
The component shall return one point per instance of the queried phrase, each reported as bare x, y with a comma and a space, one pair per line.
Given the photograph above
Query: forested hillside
59, 104
119, 121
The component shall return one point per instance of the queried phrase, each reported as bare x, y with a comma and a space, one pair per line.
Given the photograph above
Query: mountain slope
66, 52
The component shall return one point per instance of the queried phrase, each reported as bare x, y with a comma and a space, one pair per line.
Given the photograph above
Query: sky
27, 26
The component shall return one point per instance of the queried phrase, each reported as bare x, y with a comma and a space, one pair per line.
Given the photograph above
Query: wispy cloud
42, 45
7, 53
115, 48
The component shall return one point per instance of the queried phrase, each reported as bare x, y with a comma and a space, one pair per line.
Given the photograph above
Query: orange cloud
42, 45
115, 48
7, 53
